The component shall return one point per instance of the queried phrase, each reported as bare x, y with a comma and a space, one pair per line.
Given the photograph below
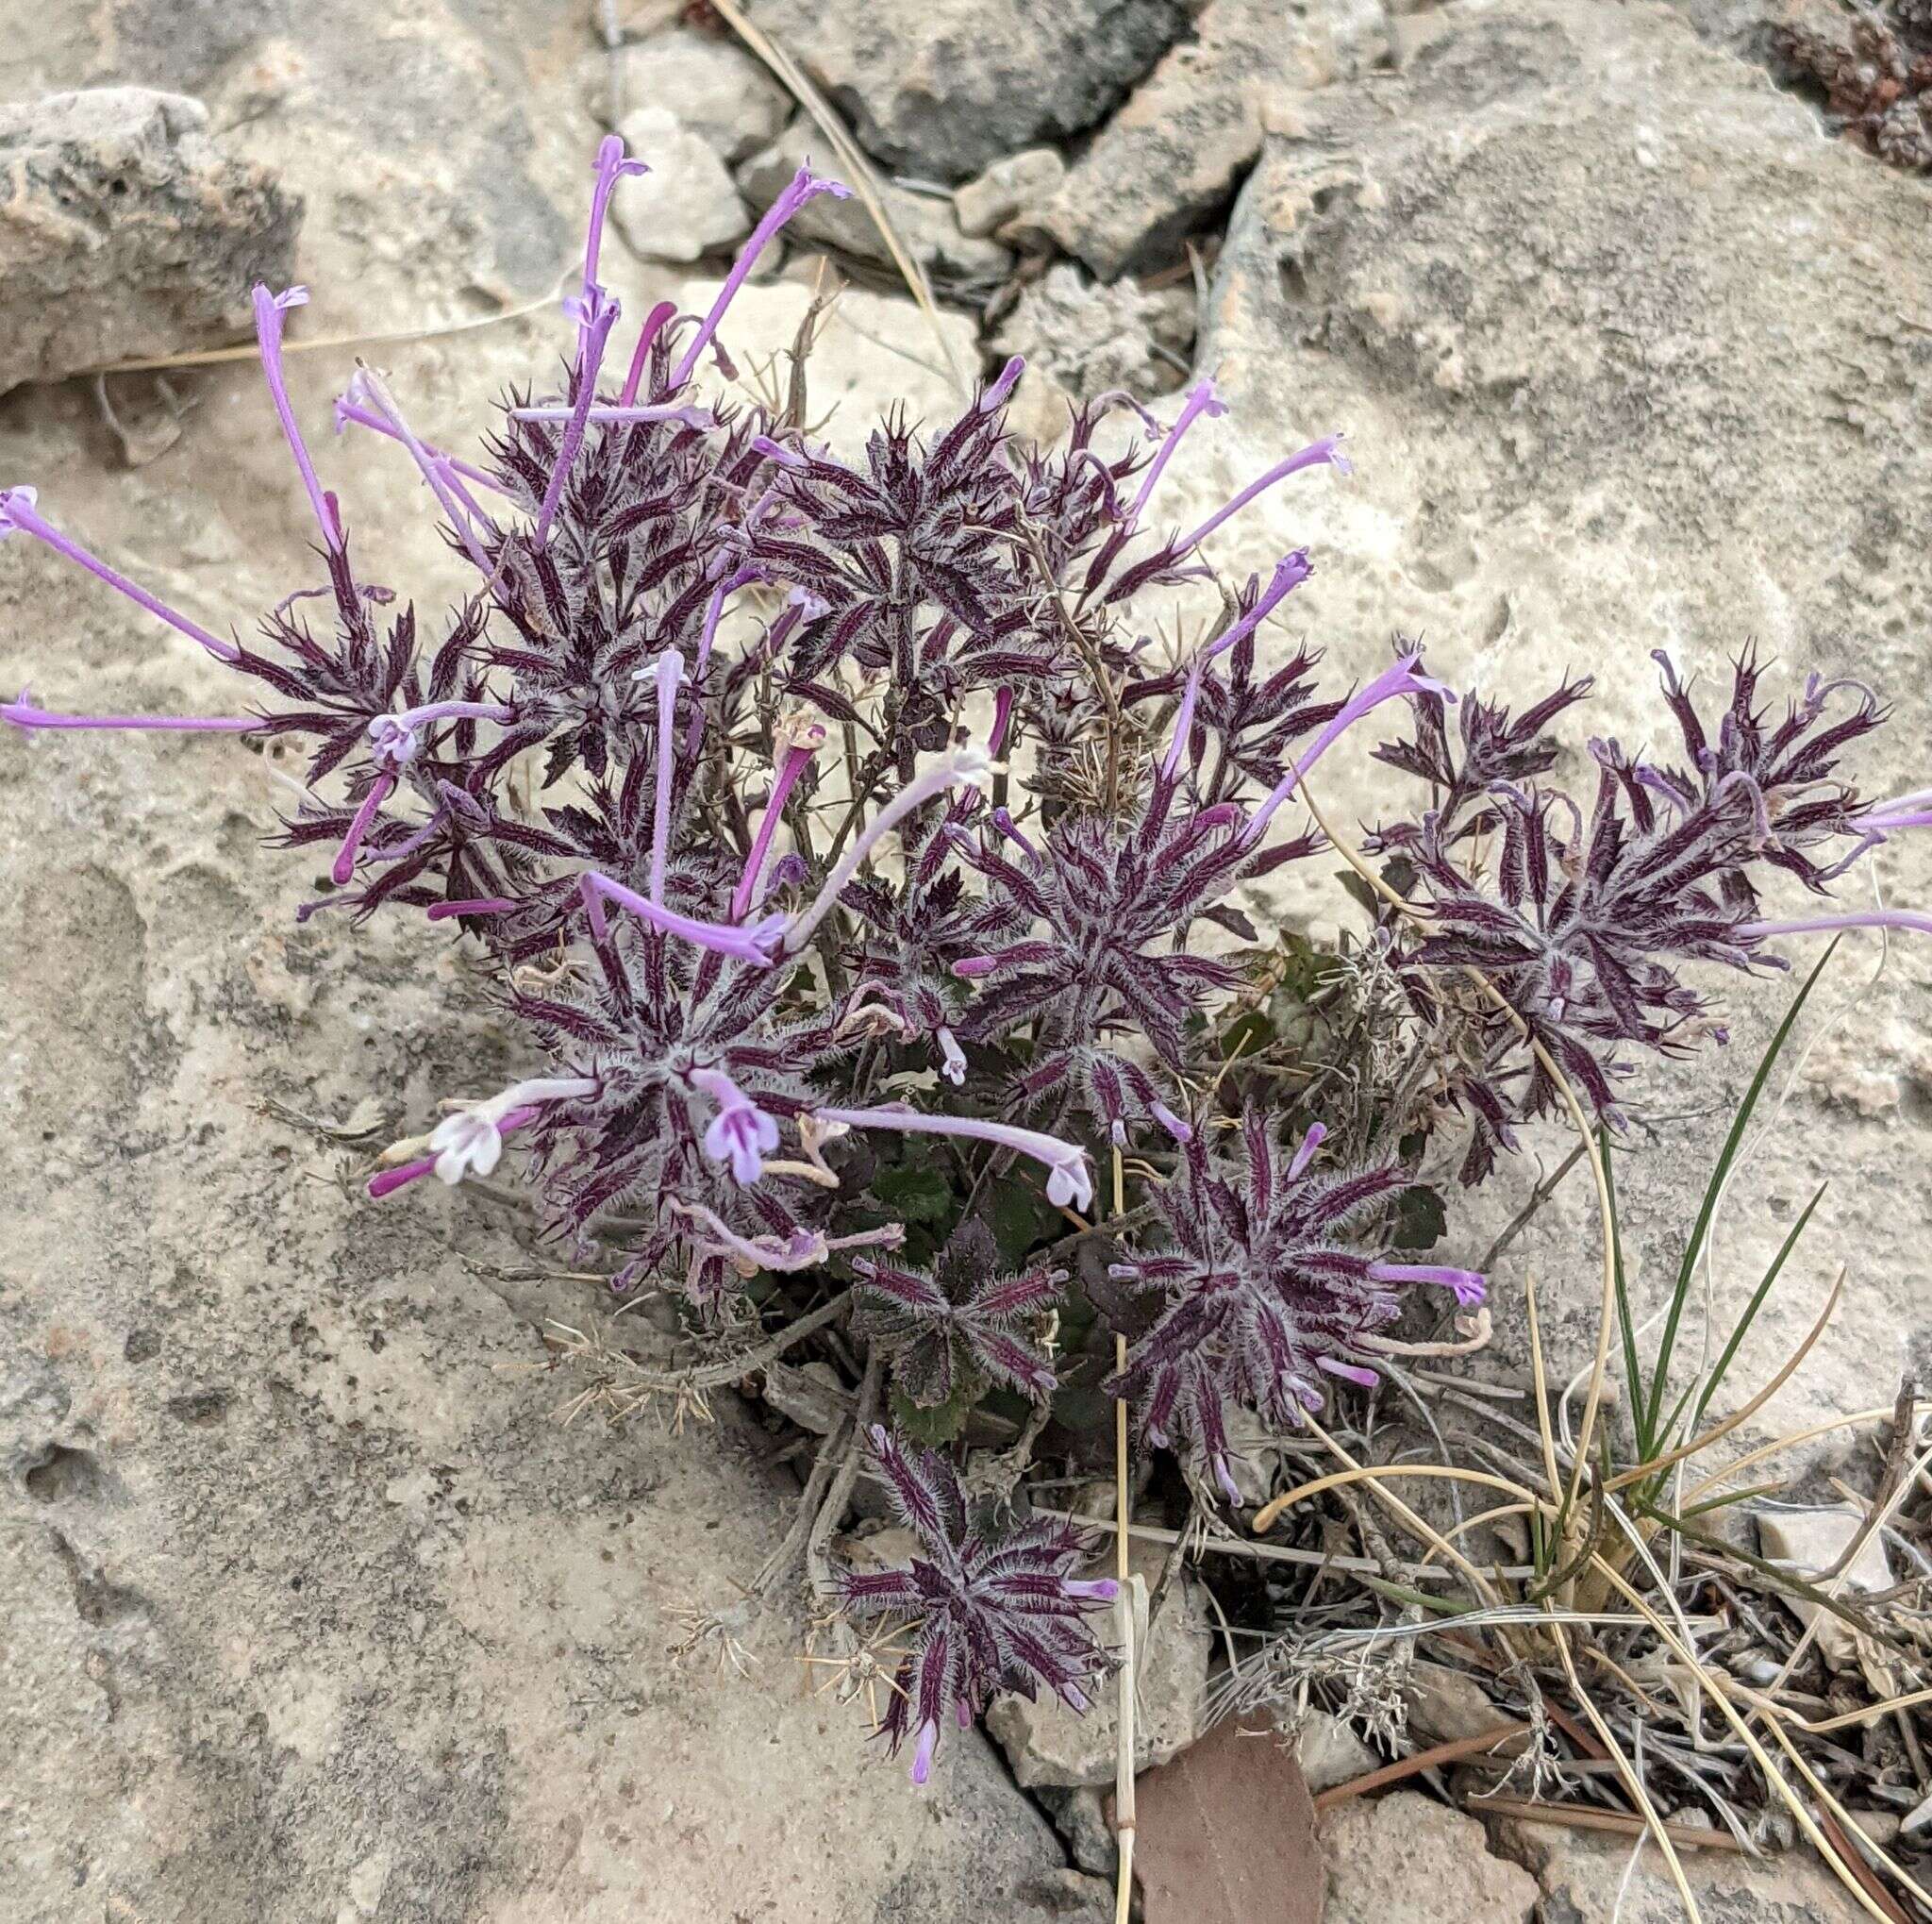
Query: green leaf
916, 1193
940, 1425
1020, 1219
1686, 1270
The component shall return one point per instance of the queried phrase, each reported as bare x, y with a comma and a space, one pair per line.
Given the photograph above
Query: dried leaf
1225, 1834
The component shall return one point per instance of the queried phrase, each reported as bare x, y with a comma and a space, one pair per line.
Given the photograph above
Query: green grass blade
1733, 1141
1626, 1327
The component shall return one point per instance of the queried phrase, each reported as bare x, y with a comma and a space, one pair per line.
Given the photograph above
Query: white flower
467, 1143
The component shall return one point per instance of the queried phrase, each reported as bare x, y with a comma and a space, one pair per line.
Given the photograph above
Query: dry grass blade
1124, 1760
1581, 1817
1423, 1760
1698, 1444
863, 181
217, 356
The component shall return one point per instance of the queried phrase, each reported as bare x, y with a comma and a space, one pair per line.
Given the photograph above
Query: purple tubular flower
474, 904
952, 1057
1829, 925
23, 715
805, 186
599, 316
970, 968
923, 1752
1470, 1288
1002, 819
1348, 1372
611, 167
344, 868
1069, 1178
19, 510
396, 739
1290, 572
640, 354
350, 407
1002, 714
755, 943
1096, 1590
668, 674
269, 309
1326, 451
1404, 679
740, 1134
1202, 399
966, 766
1180, 1129
1002, 385
1304, 1153
368, 390
796, 759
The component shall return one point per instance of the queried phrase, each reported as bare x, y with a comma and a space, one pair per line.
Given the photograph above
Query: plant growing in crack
857, 939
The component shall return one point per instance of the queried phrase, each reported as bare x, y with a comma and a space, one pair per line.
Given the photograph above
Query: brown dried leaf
1225, 1834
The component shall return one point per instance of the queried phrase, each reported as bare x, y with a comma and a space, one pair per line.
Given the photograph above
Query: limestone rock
1171, 157
1086, 338
1583, 1881
1811, 1542
1329, 1752
713, 86
128, 230
1404, 1859
926, 224
1047, 1743
946, 86
1012, 187
685, 205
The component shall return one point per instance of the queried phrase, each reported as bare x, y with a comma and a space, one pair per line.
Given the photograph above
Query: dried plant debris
1873, 65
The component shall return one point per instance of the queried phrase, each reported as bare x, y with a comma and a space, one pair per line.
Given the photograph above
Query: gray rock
811, 1394
1445, 1705
872, 351
1584, 1881
1082, 338
1048, 1744
1079, 1815
685, 205
713, 86
946, 87
1015, 187
128, 230
1811, 1542
1404, 1859
926, 224
1172, 156
1329, 1752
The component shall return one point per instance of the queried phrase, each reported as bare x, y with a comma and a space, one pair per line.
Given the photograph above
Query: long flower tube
1069, 1182
1324, 453
968, 765
19, 514
268, 310
1404, 679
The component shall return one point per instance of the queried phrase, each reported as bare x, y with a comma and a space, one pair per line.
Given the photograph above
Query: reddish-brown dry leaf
1225, 1834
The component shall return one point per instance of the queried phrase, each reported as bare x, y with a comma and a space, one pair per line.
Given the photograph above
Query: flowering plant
880, 849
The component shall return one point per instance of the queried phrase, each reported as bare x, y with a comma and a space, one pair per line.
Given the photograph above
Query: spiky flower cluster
994, 1608
1581, 920
868, 867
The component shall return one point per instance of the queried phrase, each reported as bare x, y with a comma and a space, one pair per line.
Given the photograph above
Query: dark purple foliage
1275, 1273
994, 1608
960, 1321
